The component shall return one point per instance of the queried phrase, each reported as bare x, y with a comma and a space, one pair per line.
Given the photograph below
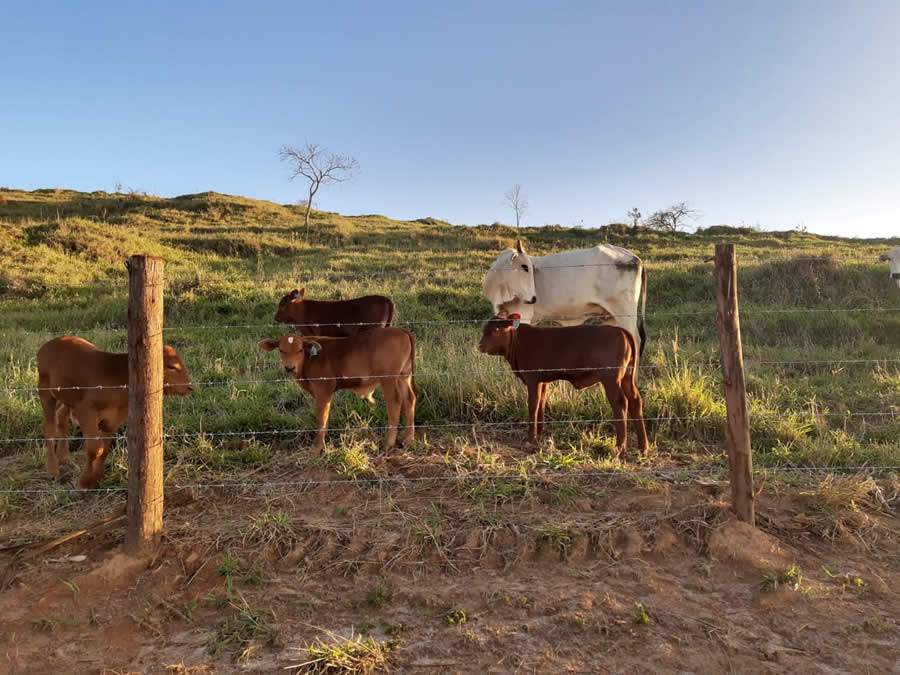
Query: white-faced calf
78, 381
380, 357
581, 355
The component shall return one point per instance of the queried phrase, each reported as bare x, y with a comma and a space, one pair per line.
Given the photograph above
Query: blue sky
763, 113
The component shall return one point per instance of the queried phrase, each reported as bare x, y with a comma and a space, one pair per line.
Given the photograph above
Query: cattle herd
350, 344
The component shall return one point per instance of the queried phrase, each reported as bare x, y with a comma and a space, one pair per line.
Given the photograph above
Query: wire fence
300, 484
475, 424
749, 310
443, 373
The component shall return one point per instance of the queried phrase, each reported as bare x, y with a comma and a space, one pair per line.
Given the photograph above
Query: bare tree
635, 216
672, 218
318, 167
517, 202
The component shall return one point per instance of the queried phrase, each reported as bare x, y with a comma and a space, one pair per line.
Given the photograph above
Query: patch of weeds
455, 616
491, 492
228, 457
565, 494
791, 578
557, 536
640, 615
51, 625
73, 589
355, 654
847, 580
836, 493
270, 530
379, 595
340, 511
350, 461
244, 632
233, 570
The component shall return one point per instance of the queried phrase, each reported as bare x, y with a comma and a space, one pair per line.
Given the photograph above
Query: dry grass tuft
355, 654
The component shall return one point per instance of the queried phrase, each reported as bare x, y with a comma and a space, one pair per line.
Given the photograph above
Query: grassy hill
229, 259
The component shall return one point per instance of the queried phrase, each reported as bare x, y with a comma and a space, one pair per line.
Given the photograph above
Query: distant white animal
570, 287
893, 257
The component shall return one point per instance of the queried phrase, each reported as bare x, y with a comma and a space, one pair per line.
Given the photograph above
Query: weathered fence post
145, 404
740, 459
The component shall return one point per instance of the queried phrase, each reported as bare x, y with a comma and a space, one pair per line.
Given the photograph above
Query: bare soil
590, 575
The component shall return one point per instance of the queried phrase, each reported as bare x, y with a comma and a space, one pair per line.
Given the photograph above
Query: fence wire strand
299, 484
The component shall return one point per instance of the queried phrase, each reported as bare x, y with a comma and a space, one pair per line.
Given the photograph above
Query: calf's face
292, 350
175, 376
496, 336
290, 308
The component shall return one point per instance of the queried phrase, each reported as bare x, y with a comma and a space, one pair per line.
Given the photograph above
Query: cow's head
496, 337
290, 308
892, 257
511, 279
293, 350
175, 376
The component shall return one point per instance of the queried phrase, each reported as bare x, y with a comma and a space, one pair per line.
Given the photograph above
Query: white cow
570, 287
893, 257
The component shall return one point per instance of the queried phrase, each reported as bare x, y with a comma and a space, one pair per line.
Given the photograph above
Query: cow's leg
323, 408
393, 398
533, 405
636, 413
543, 393
619, 404
94, 447
64, 429
51, 433
409, 410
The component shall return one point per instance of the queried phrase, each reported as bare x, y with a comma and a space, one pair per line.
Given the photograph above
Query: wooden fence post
145, 404
740, 459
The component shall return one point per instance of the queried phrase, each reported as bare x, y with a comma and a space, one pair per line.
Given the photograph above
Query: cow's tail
412, 362
642, 312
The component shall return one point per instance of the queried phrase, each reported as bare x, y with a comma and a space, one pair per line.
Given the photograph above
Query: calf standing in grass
78, 381
381, 357
334, 318
582, 355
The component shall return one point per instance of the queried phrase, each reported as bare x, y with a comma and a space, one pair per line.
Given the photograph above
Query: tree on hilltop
517, 202
672, 218
318, 167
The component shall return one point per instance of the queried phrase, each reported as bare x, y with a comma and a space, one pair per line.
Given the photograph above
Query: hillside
467, 550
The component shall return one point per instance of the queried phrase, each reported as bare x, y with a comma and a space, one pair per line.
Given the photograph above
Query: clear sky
758, 113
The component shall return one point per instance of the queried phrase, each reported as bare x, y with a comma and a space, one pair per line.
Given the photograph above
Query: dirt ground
591, 574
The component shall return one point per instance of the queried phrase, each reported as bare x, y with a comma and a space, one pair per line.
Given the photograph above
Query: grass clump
350, 461
640, 615
356, 654
455, 616
791, 578
558, 537
271, 531
244, 632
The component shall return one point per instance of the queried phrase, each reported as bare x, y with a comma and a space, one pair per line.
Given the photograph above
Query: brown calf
582, 355
78, 381
334, 318
381, 357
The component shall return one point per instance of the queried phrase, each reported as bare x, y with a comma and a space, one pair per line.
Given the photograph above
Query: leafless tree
517, 202
635, 216
318, 167
672, 218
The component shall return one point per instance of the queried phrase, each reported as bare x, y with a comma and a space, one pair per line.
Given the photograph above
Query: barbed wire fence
301, 483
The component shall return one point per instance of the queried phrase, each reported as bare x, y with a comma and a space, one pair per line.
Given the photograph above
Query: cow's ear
301, 292
519, 249
314, 347
267, 345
